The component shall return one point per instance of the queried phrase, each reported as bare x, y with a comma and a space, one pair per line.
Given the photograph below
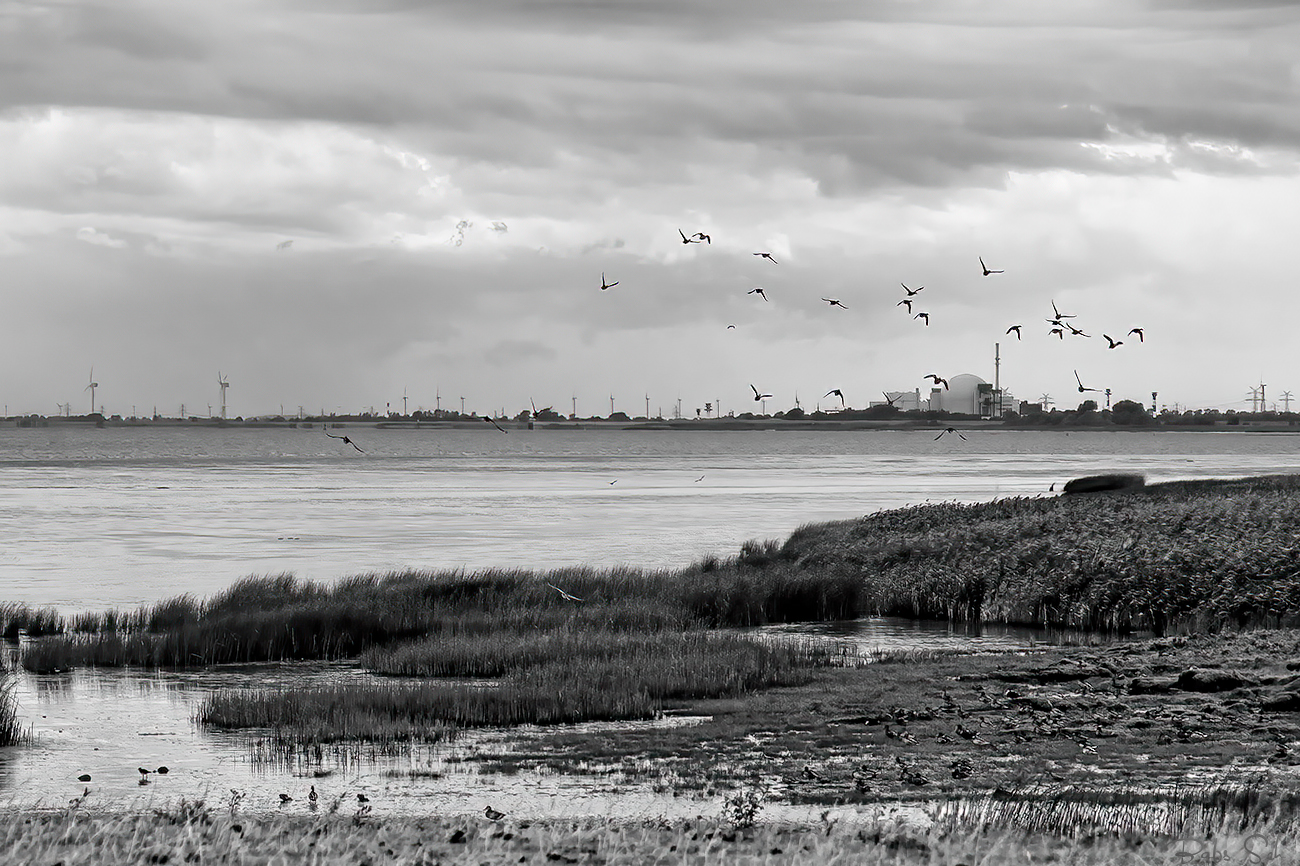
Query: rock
1103, 483
1150, 685
1196, 680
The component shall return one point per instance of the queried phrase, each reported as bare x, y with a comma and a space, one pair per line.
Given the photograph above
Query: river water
96, 518
93, 518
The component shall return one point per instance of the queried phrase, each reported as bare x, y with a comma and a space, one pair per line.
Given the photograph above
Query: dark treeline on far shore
1125, 414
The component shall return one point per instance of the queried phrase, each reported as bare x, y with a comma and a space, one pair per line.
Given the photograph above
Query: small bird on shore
768, 256
84, 777
144, 774
345, 439
362, 798
285, 798
492, 421
313, 796
604, 285
834, 302
492, 814
900, 734
985, 268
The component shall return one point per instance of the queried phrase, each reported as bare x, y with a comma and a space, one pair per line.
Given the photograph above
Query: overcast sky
454, 178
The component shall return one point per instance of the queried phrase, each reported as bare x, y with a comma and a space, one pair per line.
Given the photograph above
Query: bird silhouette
604, 285
906, 302
838, 393
985, 268
890, 400
1138, 331
162, 771
1113, 342
84, 777
758, 396
285, 798
1060, 315
698, 480
362, 798
1059, 332
685, 239
834, 303
768, 256
925, 316
701, 236
758, 290
313, 796
911, 292
1080, 381
949, 430
937, 380
344, 438
492, 421
1015, 328
731, 327
492, 814
566, 596
1078, 332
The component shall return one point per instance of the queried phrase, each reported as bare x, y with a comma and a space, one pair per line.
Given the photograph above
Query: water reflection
885, 634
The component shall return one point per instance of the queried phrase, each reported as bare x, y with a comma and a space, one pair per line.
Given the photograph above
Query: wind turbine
91, 388
224, 385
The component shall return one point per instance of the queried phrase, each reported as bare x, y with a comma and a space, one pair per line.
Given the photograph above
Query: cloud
90, 235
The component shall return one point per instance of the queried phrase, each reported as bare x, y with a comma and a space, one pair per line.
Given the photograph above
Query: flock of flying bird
1057, 321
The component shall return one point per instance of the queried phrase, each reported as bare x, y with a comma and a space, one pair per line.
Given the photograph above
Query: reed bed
11, 730
34, 621
610, 677
1183, 554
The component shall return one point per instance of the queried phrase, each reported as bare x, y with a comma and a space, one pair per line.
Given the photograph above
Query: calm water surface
119, 516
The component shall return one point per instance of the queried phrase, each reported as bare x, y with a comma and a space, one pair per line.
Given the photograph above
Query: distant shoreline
670, 425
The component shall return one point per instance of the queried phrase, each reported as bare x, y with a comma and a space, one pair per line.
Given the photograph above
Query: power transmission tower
1254, 399
1286, 401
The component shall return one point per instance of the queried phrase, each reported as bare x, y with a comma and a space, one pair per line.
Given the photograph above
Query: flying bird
890, 400
838, 393
566, 596
1080, 381
1113, 343
1076, 331
949, 430
758, 290
758, 396
1061, 315
834, 303
604, 285
731, 327
701, 236
985, 268
937, 379
1138, 331
925, 316
768, 256
698, 480
345, 439
1015, 328
911, 292
906, 302
685, 239
492, 421
1059, 332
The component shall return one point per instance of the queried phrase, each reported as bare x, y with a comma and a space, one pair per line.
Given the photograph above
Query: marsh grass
11, 729
544, 681
34, 621
193, 832
1202, 554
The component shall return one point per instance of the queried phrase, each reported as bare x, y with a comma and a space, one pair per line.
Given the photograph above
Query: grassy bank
11, 730
190, 833
1184, 554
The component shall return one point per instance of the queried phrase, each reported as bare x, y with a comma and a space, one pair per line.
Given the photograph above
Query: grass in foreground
545, 679
191, 833
11, 730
